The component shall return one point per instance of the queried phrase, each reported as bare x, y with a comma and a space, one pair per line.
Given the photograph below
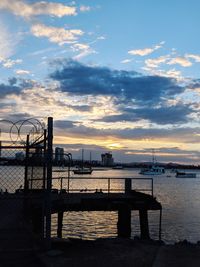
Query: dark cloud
17, 117
82, 108
12, 80
15, 86
7, 89
79, 79
182, 134
194, 84
162, 115
64, 124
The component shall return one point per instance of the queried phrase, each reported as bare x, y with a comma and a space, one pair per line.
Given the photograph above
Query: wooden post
144, 225
60, 224
128, 185
124, 221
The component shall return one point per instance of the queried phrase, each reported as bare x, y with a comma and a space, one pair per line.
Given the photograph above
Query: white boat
185, 174
82, 169
152, 170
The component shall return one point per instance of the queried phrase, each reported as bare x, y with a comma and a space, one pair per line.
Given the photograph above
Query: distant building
59, 154
107, 159
19, 156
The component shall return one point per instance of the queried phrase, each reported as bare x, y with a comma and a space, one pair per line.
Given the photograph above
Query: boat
185, 174
153, 169
82, 169
118, 167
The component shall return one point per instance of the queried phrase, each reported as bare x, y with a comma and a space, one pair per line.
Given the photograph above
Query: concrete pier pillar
144, 224
60, 224
124, 221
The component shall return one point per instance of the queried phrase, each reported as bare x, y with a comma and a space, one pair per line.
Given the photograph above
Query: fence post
44, 164
26, 165
49, 182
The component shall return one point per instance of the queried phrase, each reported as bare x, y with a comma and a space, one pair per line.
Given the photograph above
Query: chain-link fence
25, 180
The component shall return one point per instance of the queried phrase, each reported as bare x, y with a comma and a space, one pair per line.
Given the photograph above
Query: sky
118, 76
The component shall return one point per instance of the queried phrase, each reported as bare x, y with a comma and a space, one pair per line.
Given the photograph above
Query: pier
122, 200
31, 194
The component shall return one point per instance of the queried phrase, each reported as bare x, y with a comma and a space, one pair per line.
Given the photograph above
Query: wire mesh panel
24, 167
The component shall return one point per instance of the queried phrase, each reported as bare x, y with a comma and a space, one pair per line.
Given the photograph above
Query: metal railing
108, 185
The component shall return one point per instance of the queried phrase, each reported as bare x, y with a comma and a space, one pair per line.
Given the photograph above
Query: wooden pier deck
103, 202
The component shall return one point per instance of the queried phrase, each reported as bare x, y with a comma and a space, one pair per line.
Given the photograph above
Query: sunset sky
120, 76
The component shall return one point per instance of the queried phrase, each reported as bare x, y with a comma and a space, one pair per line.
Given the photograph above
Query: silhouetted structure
59, 154
107, 159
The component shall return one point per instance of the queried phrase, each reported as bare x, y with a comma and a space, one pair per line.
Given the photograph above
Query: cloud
163, 115
7, 42
56, 35
125, 61
9, 63
64, 124
171, 73
26, 10
82, 49
145, 51
155, 62
182, 61
174, 134
22, 72
10, 88
79, 79
85, 8
81, 108
193, 56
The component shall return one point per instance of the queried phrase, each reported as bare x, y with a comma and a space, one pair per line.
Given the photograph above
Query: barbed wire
19, 130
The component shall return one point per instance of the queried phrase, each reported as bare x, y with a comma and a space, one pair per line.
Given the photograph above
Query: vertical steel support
49, 182
160, 225
69, 155
152, 187
44, 164
26, 165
